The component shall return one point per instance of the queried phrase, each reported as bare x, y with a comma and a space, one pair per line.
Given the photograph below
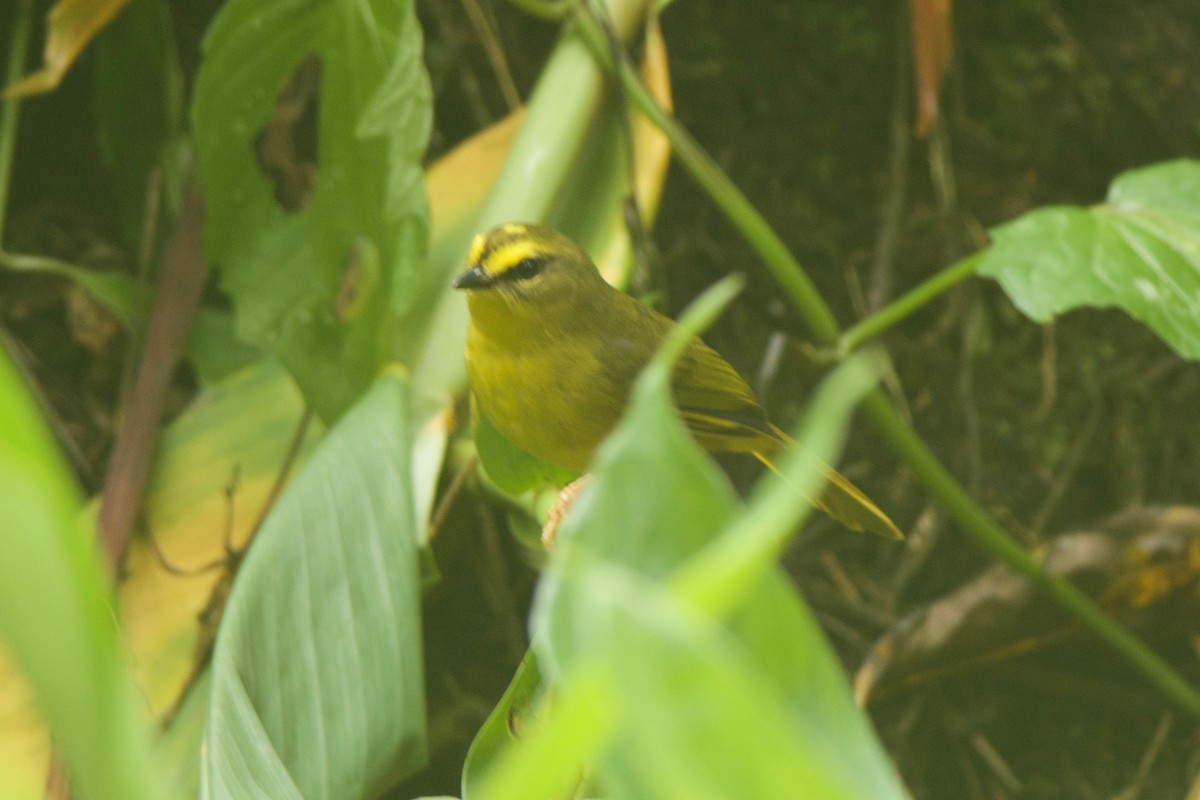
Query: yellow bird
553, 351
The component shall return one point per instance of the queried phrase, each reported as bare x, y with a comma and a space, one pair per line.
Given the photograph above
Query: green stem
906, 304
10, 108
724, 193
545, 9
978, 524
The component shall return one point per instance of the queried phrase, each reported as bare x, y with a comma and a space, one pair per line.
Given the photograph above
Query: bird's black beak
474, 278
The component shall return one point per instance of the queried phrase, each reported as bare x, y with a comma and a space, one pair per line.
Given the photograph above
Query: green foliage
509, 467
317, 669
54, 610
1139, 251
139, 107
291, 272
214, 349
496, 734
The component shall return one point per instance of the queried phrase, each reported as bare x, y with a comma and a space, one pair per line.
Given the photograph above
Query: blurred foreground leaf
508, 719
55, 615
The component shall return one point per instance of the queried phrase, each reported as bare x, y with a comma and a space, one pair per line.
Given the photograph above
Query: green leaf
510, 467
55, 615
717, 577
304, 281
214, 348
138, 98
722, 683
317, 685
114, 291
1139, 252
717, 713
575, 723
506, 721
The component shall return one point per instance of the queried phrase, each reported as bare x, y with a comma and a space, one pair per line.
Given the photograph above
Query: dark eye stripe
525, 269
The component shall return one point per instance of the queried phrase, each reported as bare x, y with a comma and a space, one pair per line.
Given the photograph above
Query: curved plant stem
907, 303
973, 519
981, 526
724, 193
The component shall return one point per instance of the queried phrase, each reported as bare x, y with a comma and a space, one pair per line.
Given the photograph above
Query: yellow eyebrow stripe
508, 254
476, 251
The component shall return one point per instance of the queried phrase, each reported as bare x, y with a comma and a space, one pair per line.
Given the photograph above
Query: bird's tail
842, 500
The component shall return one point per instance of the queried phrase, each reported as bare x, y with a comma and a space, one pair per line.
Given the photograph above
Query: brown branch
176, 300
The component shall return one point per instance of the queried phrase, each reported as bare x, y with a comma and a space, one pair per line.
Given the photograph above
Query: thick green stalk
563, 105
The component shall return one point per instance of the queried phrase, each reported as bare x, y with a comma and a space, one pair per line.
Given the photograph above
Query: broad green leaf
707, 719
739, 697
213, 471
55, 615
317, 688
1139, 251
318, 285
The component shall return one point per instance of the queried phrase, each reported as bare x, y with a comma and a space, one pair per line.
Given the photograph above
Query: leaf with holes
310, 120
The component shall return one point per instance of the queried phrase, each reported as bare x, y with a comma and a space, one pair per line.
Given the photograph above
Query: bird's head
526, 271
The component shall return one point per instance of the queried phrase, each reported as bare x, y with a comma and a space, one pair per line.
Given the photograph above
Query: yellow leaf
71, 25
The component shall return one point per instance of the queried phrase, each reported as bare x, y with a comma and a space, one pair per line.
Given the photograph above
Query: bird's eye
527, 268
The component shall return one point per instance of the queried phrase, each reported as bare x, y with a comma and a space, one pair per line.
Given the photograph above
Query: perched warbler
553, 351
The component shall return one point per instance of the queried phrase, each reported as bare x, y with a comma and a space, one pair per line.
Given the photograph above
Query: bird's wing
717, 405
